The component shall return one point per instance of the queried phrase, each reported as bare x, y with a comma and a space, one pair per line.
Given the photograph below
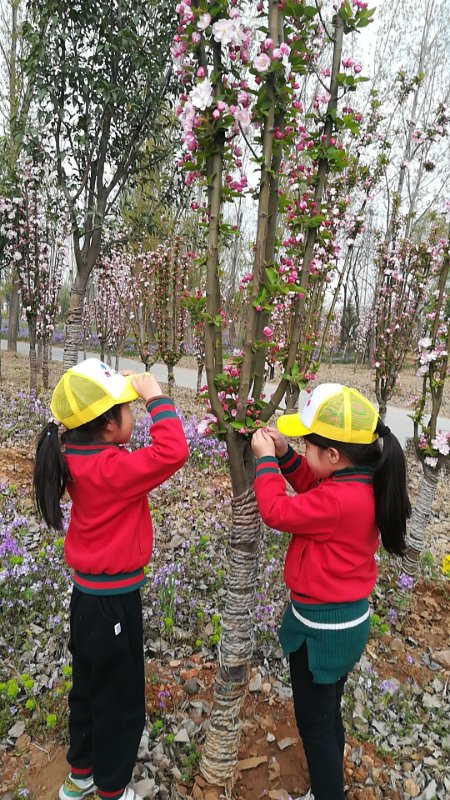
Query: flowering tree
107, 309
432, 445
128, 271
405, 269
102, 74
233, 95
16, 106
415, 133
35, 234
195, 303
169, 270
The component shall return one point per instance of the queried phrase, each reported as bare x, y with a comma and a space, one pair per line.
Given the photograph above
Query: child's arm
293, 467
148, 467
313, 513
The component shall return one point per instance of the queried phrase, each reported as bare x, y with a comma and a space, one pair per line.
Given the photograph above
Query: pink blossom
244, 117
441, 443
262, 62
268, 332
203, 21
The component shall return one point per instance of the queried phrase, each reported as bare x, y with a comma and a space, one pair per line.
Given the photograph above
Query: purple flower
405, 582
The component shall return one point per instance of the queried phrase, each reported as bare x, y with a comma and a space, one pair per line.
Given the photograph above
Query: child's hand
262, 444
281, 445
146, 386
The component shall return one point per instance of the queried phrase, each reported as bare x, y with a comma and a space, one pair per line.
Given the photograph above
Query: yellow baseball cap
88, 390
336, 412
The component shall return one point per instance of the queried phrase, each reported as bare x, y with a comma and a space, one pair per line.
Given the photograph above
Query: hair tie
52, 424
383, 430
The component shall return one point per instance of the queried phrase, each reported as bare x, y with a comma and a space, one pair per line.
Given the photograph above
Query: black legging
318, 713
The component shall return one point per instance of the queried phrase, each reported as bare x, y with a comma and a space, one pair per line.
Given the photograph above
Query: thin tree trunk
13, 324
170, 379
39, 356
420, 517
219, 757
200, 365
45, 360
33, 356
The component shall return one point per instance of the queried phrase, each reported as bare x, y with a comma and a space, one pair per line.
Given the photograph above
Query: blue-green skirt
335, 635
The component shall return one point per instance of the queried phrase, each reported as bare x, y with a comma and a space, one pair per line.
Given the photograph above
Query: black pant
107, 699
318, 714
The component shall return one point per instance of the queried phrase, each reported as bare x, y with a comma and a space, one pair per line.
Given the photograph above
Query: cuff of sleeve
161, 408
289, 462
265, 465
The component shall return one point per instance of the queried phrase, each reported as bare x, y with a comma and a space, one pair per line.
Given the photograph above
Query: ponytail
51, 472
392, 505
50, 476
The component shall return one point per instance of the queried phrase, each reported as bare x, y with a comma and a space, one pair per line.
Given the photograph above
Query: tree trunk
219, 757
170, 379
39, 356
420, 518
33, 355
13, 324
74, 320
200, 365
45, 360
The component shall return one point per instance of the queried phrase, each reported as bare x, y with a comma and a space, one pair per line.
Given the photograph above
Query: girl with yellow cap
350, 491
108, 544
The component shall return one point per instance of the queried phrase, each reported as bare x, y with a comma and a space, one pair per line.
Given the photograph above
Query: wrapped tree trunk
420, 518
236, 644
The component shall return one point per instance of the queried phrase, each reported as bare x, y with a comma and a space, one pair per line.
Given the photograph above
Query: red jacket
110, 537
330, 558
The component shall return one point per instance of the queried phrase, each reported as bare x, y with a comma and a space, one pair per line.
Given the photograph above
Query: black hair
392, 505
51, 472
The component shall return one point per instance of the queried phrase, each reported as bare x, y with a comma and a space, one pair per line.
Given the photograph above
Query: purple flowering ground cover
396, 703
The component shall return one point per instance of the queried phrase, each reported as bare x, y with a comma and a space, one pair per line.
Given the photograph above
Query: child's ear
110, 427
334, 455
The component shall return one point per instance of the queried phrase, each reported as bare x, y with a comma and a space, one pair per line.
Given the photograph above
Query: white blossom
202, 95
228, 31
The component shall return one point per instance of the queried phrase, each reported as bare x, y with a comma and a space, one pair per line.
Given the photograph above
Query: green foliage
190, 761
101, 76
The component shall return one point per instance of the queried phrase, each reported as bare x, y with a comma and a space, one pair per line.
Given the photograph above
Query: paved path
396, 418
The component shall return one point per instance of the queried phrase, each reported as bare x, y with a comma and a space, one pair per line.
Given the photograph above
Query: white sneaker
76, 788
308, 796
